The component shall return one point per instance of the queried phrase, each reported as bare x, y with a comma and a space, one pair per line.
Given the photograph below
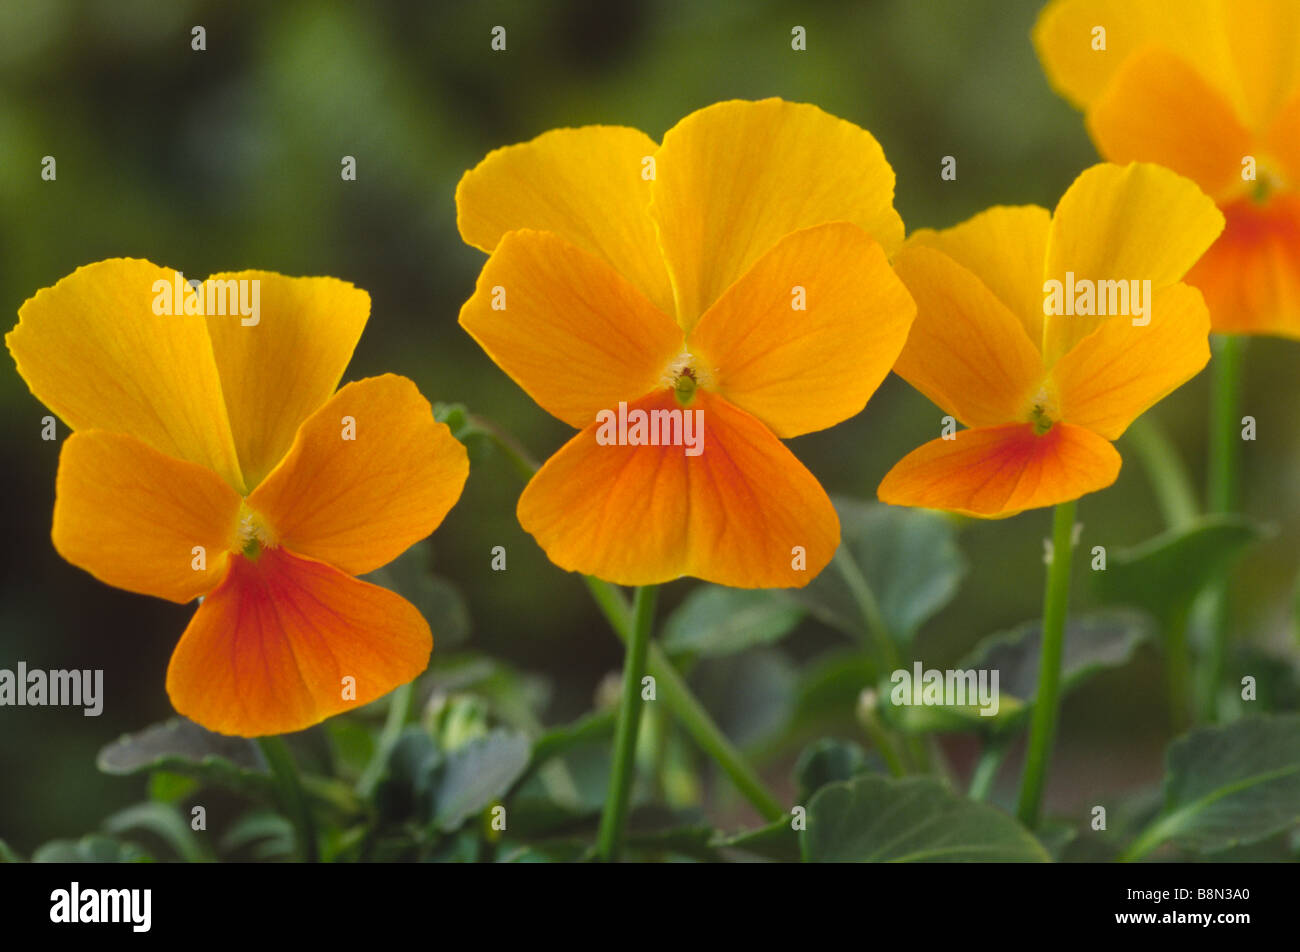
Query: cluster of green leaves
459, 767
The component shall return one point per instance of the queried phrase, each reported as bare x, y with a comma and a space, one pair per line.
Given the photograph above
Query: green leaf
165, 822
777, 841
90, 849
183, 747
7, 854
1228, 785
749, 695
270, 830
1165, 574
908, 557
1093, 643
826, 761
874, 819
713, 621
477, 775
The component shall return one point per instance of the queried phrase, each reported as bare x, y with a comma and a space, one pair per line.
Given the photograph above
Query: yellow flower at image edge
1044, 395
212, 457
738, 272
1211, 90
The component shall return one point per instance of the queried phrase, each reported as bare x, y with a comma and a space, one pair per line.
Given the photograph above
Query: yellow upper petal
370, 474
1066, 41
1124, 223
967, 352
1004, 247
1159, 109
576, 335
805, 337
92, 349
1249, 53
1121, 369
590, 186
141, 520
735, 178
276, 372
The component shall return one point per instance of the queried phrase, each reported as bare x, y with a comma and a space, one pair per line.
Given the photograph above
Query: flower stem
1224, 478
400, 707
292, 799
618, 798
677, 697
1042, 728
1173, 487
669, 684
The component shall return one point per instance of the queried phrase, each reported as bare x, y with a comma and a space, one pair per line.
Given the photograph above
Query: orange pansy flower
1210, 89
1044, 395
213, 458
737, 274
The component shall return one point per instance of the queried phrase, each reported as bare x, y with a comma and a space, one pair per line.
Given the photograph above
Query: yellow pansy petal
1284, 142
370, 473
92, 349
735, 178
139, 520
1067, 41
743, 512
805, 337
278, 368
1123, 223
1264, 42
566, 327
1159, 109
1251, 276
998, 471
966, 351
590, 186
1119, 370
1004, 247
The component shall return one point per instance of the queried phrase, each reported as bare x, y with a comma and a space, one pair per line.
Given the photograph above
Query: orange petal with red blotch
269, 651
744, 512
1251, 276
999, 471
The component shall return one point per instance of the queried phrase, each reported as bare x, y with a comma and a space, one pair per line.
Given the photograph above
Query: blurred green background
229, 159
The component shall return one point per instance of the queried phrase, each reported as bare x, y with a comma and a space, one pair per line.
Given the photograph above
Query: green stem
1224, 479
880, 738
885, 651
1042, 728
678, 698
292, 799
869, 608
619, 797
670, 685
400, 706
986, 768
1169, 478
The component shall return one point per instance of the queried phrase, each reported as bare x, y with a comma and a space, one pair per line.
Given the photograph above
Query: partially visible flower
1210, 89
739, 269
213, 458
1045, 395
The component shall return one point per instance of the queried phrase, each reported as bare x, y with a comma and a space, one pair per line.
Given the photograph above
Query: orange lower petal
999, 471
271, 649
1251, 276
744, 512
